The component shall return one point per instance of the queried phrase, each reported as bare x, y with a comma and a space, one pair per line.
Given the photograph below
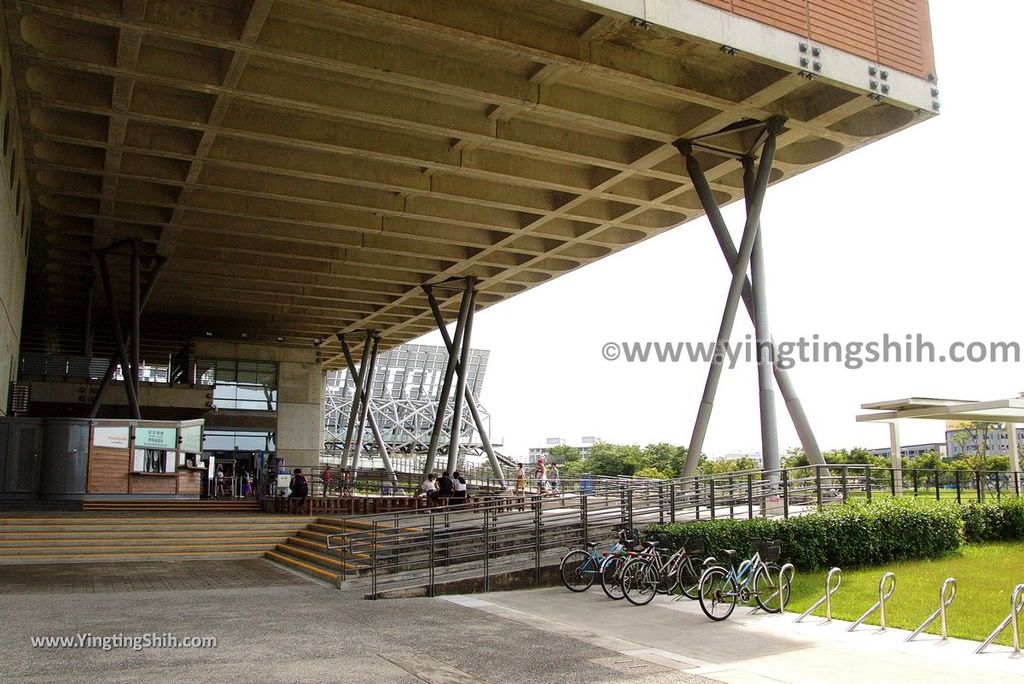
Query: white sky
918, 233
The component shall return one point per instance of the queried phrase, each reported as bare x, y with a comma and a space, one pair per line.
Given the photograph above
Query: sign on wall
192, 439
156, 438
113, 437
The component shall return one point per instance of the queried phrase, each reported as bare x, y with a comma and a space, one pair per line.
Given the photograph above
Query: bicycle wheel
717, 593
770, 597
639, 581
611, 577
577, 573
688, 578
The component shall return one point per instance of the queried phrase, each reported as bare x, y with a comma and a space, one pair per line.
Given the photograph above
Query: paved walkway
272, 626
749, 649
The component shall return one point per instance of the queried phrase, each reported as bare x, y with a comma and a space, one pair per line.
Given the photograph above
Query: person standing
219, 482
520, 487
541, 475
555, 479
327, 477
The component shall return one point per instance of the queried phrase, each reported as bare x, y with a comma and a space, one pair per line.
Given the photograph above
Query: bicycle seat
651, 544
591, 545
730, 553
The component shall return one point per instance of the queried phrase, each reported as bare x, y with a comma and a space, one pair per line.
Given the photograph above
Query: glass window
244, 385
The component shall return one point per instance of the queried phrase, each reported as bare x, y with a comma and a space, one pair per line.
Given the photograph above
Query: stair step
294, 562
128, 550
316, 558
65, 542
133, 555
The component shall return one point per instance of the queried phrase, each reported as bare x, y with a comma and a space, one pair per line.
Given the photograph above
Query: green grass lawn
985, 575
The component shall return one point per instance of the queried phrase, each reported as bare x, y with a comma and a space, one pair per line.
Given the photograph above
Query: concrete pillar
894, 452
1011, 442
300, 418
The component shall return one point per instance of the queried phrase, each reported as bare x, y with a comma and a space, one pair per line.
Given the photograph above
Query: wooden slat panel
788, 15
149, 484
894, 33
899, 34
108, 470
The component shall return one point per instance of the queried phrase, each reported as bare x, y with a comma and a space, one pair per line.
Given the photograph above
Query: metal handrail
885, 591
944, 603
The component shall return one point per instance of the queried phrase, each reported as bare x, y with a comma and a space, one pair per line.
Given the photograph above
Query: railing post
731, 497
937, 495
373, 561
711, 496
750, 496
430, 561
913, 475
1016, 484
846, 484
661, 503
956, 479
696, 498
817, 484
583, 517
672, 502
867, 478
536, 539
487, 552
999, 488
977, 484
785, 493
629, 507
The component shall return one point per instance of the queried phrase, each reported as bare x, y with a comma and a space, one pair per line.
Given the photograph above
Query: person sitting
459, 483
429, 490
445, 488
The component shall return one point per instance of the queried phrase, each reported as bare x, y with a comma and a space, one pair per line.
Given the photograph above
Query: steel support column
446, 386
765, 350
108, 376
485, 438
357, 380
739, 279
374, 428
364, 408
115, 324
786, 387
460, 384
136, 315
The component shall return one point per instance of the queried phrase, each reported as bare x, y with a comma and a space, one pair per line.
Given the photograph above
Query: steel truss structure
743, 141
396, 395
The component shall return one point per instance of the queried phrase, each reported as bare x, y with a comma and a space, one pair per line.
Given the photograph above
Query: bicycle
756, 577
654, 572
579, 567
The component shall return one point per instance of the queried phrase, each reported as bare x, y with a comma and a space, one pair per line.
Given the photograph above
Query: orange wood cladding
108, 470
154, 484
894, 33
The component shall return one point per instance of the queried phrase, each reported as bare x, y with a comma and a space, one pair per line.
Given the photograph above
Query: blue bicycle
580, 567
756, 577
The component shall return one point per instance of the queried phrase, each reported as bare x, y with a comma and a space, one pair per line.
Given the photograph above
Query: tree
563, 453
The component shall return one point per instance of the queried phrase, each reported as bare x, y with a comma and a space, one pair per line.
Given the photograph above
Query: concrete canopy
306, 165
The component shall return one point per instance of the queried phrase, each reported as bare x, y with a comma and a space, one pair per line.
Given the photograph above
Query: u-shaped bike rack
1016, 604
944, 602
786, 574
884, 593
834, 575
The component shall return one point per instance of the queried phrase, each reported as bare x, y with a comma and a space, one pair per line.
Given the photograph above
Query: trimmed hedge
1000, 521
858, 533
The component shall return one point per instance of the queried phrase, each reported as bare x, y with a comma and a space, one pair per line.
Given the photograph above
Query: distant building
996, 441
583, 446
913, 450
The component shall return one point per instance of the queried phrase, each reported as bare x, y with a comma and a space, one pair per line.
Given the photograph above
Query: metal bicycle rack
830, 589
1016, 604
944, 602
786, 574
883, 595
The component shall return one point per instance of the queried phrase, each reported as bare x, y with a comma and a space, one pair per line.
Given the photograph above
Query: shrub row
861, 533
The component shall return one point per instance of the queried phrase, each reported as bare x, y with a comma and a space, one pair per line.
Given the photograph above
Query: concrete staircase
175, 505
307, 552
85, 537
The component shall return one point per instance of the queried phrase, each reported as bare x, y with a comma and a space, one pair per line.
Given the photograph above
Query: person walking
555, 479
